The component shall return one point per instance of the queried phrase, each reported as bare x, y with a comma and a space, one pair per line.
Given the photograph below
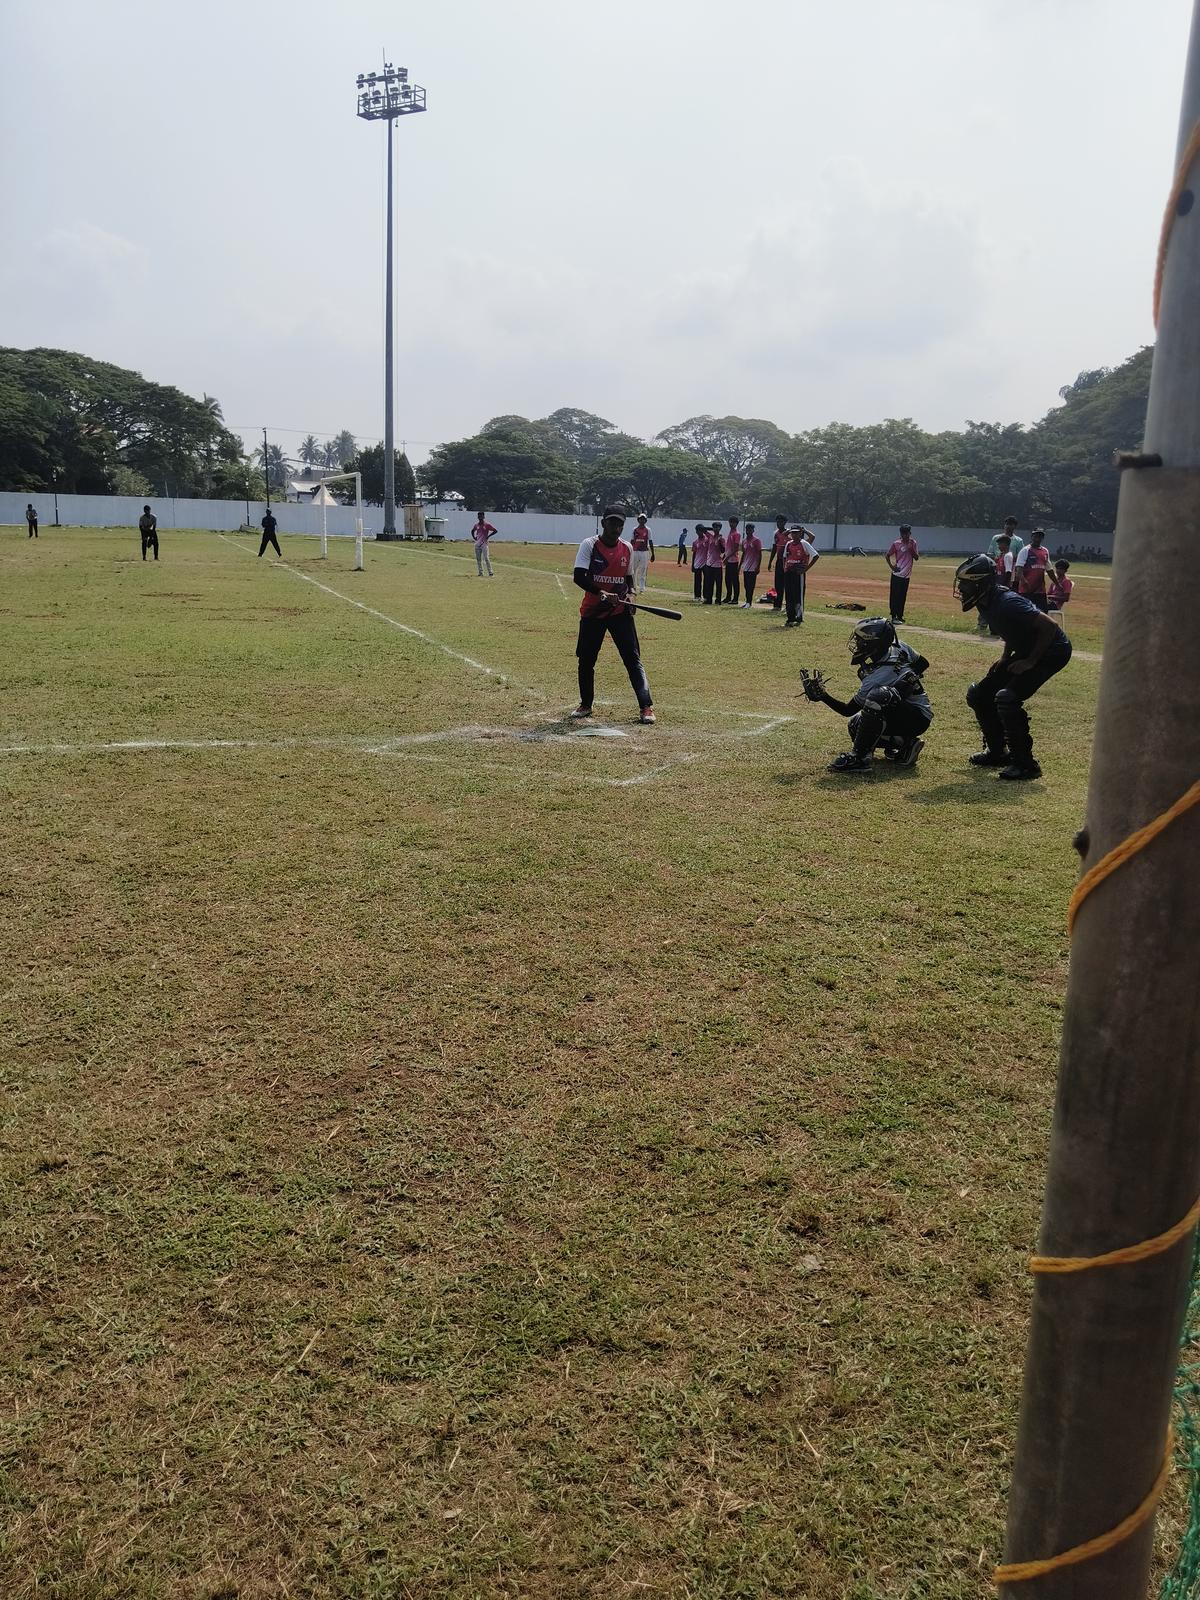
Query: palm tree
274, 463
344, 446
310, 451
330, 459
216, 417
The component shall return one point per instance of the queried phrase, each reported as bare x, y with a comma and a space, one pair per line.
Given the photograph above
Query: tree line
82, 426
1059, 471
88, 427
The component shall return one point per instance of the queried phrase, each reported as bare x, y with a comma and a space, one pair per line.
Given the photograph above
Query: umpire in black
269, 526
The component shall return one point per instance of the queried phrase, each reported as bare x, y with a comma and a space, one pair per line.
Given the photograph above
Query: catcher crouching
889, 709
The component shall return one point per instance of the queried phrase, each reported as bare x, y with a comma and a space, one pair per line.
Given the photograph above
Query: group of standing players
726, 566
890, 711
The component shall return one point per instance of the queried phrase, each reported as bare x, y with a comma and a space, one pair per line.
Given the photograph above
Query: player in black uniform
1034, 650
269, 525
889, 707
148, 528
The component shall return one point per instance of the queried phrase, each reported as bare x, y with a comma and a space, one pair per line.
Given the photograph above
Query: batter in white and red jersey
797, 556
1032, 566
602, 571
643, 554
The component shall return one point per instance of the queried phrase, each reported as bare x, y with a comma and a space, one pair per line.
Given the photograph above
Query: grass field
448, 1155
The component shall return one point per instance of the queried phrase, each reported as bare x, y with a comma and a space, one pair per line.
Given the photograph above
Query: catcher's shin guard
1014, 719
982, 700
869, 731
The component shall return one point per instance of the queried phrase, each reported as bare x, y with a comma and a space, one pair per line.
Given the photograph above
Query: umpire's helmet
975, 581
871, 641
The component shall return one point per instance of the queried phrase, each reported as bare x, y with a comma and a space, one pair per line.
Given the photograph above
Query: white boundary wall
532, 527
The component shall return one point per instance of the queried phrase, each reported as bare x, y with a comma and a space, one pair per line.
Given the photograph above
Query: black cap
614, 511
904, 528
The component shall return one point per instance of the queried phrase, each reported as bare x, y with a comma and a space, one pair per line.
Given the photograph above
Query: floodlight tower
382, 97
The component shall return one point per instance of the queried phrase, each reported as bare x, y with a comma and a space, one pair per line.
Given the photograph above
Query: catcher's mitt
813, 683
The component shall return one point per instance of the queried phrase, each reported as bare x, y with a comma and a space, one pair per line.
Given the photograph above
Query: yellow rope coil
1190, 153
1022, 1571
1120, 1258
1126, 850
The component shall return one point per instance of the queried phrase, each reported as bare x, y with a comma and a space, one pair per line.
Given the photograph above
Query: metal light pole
382, 97
267, 470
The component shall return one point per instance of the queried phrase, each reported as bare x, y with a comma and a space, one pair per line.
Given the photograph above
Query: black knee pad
1006, 699
973, 695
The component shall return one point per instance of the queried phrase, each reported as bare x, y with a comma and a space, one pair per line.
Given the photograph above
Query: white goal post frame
345, 477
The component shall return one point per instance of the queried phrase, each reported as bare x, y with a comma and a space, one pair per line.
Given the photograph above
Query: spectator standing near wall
31, 520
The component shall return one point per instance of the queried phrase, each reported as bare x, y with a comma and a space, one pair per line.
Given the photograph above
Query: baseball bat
655, 611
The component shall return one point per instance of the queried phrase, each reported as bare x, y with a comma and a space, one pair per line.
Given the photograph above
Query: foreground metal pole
1125, 1154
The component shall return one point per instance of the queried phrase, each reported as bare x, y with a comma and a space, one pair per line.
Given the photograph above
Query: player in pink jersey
699, 557
602, 571
900, 556
751, 562
643, 554
733, 562
714, 565
481, 533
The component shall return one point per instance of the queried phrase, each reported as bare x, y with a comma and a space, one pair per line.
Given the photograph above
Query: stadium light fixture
385, 106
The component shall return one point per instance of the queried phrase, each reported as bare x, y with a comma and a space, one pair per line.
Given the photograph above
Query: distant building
309, 489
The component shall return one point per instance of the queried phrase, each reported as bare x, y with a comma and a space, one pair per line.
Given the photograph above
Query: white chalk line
397, 747
381, 616
768, 727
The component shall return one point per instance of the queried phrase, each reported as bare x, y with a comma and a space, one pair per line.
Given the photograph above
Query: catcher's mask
974, 581
871, 641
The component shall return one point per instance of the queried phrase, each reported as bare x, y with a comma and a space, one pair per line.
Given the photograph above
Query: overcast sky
648, 208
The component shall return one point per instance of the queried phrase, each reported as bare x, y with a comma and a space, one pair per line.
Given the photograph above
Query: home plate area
607, 749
